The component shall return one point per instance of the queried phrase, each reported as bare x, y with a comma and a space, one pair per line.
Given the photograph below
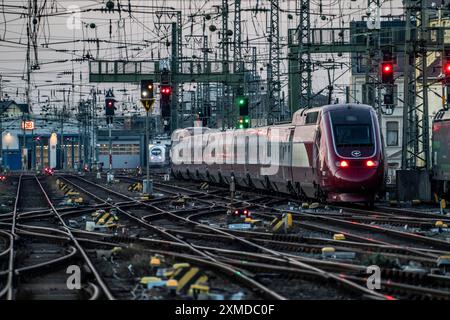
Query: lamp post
148, 101
147, 185
23, 143
147, 134
63, 144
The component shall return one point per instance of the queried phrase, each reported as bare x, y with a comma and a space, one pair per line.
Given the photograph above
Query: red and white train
334, 153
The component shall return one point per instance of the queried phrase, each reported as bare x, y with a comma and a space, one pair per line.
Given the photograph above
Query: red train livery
441, 154
334, 153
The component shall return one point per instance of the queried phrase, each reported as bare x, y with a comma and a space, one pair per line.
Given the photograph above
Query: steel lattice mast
416, 137
237, 37
304, 57
273, 66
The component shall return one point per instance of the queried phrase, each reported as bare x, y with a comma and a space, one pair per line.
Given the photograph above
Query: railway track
368, 228
190, 234
91, 190
37, 268
242, 241
420, 253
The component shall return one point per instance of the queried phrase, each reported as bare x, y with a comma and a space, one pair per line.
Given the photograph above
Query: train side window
311, 118
392, 133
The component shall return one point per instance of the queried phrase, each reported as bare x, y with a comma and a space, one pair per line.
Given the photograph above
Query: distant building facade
392, 124
36, 146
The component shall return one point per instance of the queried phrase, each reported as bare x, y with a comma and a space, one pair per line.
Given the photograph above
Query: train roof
300, 116
442, 115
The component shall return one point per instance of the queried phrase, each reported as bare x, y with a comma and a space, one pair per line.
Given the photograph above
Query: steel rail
249, 243
269, 265
230, 272
80, 249
326, 229
10, 239
272, 263
46, 264
399, 234
8, 290
293, 246
167, 234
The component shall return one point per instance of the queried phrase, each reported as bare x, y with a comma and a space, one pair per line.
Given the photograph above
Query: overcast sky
127, 36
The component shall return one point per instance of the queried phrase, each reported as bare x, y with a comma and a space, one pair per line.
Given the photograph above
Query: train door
289, 174
259, 158
303, 141
318, 163
317, 145
240, 148
286, 139
253, 168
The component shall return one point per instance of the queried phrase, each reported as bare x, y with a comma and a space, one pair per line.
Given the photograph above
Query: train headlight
371, 164
343, 164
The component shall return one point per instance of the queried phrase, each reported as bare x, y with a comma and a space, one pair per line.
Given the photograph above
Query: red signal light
387, 68
166, 90
447, 68
447, 73
387, 73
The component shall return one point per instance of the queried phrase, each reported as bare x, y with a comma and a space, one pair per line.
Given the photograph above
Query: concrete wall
121, 161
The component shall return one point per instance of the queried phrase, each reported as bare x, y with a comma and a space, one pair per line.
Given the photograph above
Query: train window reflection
353, 135
311, 118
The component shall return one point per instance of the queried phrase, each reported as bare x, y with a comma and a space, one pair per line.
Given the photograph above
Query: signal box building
30, 143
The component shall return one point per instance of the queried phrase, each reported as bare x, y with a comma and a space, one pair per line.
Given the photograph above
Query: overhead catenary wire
142, 42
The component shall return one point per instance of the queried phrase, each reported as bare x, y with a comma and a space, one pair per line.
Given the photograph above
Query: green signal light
241, 126
247, 121
241, 102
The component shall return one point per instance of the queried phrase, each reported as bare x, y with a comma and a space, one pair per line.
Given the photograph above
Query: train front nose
358, 175
355, 157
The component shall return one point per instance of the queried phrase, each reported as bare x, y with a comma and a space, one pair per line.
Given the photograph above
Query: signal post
148, 101
446, 80
110, 109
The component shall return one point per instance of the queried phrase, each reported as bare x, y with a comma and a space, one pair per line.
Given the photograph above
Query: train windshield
352, 129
